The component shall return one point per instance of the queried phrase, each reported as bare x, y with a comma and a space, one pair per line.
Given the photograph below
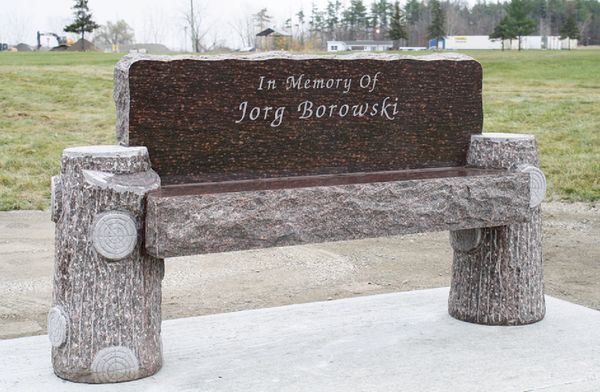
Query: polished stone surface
272, 115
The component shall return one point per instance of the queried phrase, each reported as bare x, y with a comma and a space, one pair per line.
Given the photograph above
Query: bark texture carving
500, 282
105, 320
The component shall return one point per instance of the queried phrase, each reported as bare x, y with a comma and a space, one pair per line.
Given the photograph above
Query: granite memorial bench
221, 154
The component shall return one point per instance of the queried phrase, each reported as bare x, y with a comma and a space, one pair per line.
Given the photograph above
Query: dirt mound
83, 45
59, 48
23, 48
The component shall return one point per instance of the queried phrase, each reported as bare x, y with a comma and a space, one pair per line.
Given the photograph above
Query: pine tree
359, 11
413, 13
373, 21
504, 30
384, 9
317, 20
262, 19
379, 20
332, 19
317, 26
397, 26
437, 28
83, 22
312, 21
570, 30
355, 18
520, 23
301, 17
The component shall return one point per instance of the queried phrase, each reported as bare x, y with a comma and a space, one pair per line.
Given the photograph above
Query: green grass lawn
49, 101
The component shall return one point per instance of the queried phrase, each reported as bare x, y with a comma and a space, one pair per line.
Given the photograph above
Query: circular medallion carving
465, 240
537, 185
115, 364
114, 235
57, 326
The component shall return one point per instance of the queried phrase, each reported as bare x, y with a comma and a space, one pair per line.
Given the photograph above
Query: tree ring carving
114, 235
537, 184
465, 240
115, 364
57, 326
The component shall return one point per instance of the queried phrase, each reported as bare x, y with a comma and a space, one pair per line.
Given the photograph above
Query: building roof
273, 31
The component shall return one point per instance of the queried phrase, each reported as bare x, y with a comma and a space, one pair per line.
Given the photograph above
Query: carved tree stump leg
105, 322
497, 276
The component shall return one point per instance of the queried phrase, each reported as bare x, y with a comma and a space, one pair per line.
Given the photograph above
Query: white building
550, 42
461, 42
363, 46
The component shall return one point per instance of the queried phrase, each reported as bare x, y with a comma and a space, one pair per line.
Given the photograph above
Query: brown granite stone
105, 322
499, 281
237, 181
195, 223
189, 113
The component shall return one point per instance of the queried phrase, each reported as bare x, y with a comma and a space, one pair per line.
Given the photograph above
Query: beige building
273, 39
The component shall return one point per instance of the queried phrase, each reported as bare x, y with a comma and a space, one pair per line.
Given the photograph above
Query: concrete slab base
391, 342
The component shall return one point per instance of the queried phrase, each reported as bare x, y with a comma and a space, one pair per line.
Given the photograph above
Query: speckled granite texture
266, 183
111, 306
189, 113
500, 282
184, 225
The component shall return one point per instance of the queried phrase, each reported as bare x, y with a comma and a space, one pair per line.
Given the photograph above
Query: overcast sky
150, 19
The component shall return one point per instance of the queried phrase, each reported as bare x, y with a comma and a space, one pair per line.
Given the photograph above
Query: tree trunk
497, 276
105, 322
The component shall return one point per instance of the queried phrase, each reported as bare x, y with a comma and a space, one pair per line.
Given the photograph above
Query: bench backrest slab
314, 115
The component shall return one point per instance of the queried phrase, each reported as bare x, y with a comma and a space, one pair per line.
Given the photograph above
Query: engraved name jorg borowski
387, 108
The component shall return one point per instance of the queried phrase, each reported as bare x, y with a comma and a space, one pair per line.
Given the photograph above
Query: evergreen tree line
417, 21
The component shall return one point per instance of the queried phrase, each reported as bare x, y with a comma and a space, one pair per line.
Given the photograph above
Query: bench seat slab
188, 220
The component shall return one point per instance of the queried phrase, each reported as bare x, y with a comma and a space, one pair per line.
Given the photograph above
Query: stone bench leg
104, 324
497, 274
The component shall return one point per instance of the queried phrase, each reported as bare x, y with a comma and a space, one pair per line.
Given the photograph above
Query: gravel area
271, 277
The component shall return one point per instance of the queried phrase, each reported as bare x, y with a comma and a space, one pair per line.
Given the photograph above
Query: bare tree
216, 42
112, 35
193, 20
244, 28
300, 26
454, 18
155, 25
17, 27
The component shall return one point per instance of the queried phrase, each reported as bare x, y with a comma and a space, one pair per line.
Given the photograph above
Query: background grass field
49, 101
